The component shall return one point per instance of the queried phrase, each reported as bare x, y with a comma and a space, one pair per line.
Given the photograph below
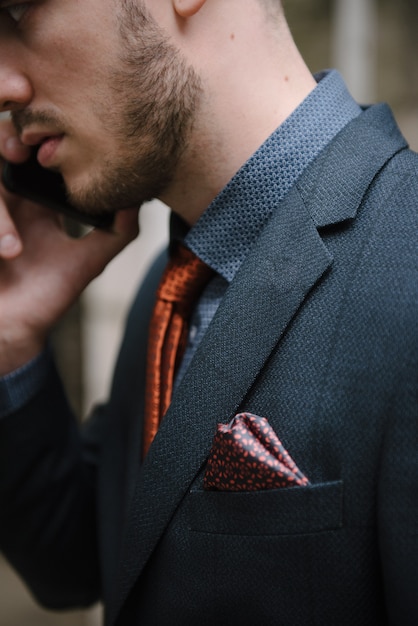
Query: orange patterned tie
180, 285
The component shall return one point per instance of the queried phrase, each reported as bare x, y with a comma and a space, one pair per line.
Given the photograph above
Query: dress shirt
225, 233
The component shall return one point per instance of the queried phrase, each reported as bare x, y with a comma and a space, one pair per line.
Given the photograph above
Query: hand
42, 269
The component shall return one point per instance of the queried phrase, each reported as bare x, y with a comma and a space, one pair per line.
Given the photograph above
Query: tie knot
183, 278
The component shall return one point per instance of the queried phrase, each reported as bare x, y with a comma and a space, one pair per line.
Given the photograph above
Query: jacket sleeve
47, 499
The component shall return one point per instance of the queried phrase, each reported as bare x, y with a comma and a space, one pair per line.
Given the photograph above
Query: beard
147, 106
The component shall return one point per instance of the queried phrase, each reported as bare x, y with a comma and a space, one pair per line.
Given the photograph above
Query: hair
273, 8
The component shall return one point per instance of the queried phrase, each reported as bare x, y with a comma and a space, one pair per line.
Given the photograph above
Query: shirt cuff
21, 385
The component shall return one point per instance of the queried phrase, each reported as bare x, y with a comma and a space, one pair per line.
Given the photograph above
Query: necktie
180, 285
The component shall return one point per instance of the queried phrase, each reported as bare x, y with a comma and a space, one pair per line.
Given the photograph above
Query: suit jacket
318, 333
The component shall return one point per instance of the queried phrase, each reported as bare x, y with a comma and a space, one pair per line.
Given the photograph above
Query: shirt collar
224, 234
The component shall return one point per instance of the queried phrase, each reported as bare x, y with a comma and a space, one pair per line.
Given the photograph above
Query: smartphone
38, 184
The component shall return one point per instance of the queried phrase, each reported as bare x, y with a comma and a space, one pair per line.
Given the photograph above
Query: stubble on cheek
152, 100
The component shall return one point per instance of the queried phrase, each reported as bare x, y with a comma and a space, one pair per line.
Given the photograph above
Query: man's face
112, 99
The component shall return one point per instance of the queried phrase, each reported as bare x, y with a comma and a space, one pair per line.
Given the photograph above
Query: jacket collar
334, 187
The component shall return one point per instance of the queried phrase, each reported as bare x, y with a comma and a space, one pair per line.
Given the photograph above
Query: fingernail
9, 244
13, 142
14, 145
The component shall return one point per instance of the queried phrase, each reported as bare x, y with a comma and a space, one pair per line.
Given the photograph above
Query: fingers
11, 148
10, 241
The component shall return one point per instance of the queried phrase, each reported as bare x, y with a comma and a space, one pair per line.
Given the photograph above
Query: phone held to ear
33, 182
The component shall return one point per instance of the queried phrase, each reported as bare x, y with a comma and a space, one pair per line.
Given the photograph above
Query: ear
187, 8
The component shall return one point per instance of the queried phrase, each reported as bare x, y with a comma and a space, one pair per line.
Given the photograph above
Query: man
304, 207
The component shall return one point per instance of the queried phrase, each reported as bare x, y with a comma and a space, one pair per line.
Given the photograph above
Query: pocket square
247, 455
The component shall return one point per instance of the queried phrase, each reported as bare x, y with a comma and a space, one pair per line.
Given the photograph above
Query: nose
15, 89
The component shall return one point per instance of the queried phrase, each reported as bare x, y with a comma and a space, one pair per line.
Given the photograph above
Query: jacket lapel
285, 264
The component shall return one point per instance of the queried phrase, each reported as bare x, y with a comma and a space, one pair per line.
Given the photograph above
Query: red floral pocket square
247, 455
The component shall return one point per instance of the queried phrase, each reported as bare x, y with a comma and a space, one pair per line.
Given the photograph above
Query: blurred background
374, 44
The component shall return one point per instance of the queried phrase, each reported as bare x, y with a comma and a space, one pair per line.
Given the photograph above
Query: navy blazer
317, 333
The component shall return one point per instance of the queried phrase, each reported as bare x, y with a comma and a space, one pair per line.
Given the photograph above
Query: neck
248, 91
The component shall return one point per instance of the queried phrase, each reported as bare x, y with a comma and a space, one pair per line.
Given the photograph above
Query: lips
47, 143
47, 150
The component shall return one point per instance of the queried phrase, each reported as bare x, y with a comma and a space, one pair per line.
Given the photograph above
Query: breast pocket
289, 511
261, 554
